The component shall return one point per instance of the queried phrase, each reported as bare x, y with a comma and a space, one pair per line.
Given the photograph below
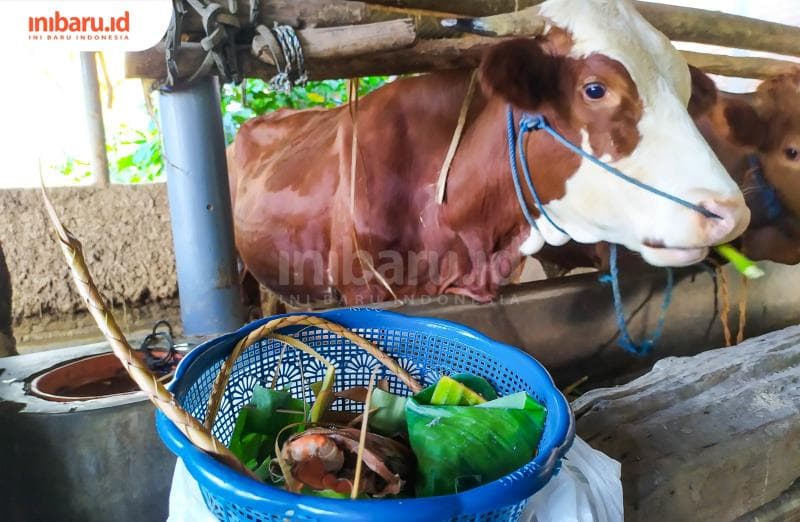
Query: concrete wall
128, 244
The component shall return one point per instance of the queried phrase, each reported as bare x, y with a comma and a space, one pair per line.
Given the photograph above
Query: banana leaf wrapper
258, 424
462, 447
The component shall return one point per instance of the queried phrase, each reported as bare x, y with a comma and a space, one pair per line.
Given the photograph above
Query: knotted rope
221, 25
286, 53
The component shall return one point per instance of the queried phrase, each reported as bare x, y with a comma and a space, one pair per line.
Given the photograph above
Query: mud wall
127, 242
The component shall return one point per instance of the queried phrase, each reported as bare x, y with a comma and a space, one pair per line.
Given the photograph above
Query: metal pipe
94, 118
200, 208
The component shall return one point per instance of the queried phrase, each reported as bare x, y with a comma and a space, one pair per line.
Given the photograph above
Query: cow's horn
527, 22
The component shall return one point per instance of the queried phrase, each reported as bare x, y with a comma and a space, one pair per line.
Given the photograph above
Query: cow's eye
792, 153
594, 90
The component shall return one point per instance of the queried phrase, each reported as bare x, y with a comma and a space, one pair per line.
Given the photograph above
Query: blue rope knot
532, 122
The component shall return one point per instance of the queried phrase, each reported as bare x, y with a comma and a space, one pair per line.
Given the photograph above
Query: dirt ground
127, 242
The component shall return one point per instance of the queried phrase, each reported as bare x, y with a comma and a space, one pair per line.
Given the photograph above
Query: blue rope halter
766, 192
625, 340
516, 152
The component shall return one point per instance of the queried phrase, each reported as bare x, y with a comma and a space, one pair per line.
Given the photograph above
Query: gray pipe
200, 207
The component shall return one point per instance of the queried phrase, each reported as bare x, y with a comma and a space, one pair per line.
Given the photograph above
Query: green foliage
260, 99
135, 156
76, 170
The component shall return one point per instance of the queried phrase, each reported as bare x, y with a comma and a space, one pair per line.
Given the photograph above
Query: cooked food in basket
452, 436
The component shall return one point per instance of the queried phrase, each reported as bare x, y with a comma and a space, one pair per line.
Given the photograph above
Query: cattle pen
706, 426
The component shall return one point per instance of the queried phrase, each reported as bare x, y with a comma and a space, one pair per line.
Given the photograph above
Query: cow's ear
746, 127
522, 73
704, 92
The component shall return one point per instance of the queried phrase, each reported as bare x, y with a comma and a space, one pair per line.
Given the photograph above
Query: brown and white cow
602, 76
765, 123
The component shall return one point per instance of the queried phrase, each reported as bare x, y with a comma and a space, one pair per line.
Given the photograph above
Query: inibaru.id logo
60, 27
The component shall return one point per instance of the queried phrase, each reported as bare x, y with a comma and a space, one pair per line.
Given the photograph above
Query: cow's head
769, 123
609, 81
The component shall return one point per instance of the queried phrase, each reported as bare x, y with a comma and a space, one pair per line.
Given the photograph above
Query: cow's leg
8, 345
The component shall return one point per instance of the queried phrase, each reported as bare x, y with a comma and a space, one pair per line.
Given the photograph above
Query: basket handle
270, 327
138, 370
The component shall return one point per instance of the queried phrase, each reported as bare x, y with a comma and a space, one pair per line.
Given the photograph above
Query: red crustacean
325, 459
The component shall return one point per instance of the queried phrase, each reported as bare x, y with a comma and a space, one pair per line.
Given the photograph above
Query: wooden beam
343, 41
688, 24
303, 14
739, 66
459, 7
685, 24
424, 56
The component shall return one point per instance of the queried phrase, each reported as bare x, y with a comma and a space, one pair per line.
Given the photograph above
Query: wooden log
297, 13
685, 24
739, 66
343, 41
459, 7
303, 14
688, 24
424, 56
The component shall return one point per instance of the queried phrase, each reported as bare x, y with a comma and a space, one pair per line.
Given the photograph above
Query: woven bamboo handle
294, 320
139, 372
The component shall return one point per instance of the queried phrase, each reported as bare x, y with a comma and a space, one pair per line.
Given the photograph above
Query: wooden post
94, 119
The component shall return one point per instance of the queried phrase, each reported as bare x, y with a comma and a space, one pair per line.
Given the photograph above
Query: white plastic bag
186, 503
587, 489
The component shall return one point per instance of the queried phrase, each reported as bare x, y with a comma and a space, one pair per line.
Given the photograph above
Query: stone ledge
710, 437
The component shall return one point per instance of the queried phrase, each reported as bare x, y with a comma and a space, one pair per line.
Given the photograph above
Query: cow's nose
734, 216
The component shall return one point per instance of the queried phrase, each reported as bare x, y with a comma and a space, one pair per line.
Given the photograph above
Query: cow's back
290, 178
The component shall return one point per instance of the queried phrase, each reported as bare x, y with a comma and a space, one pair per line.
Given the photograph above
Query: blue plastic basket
427, 349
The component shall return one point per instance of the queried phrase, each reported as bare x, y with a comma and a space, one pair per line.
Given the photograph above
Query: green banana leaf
258, 424
462, 447
390, 417
476, 384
